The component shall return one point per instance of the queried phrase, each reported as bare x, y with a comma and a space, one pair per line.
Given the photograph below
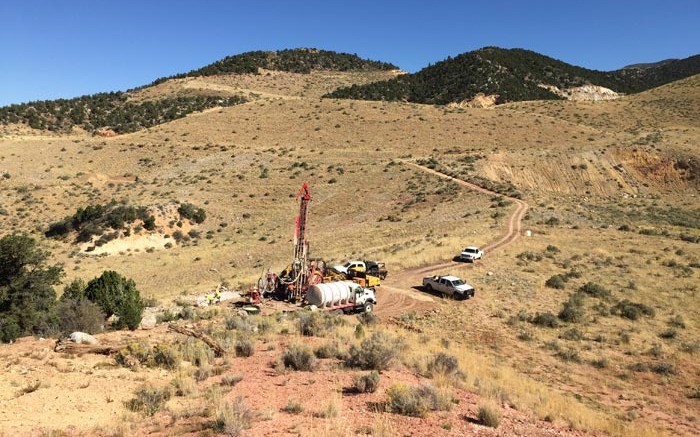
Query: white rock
82, 338
148, 321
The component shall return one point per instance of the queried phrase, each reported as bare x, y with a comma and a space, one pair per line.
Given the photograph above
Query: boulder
82, 338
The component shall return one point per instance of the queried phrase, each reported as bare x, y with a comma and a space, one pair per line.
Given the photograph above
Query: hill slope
290, 60
512, 75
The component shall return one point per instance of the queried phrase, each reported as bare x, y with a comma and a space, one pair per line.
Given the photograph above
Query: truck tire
368, 307
429, 288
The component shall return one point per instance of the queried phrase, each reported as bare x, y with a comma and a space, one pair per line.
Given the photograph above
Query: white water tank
331, 294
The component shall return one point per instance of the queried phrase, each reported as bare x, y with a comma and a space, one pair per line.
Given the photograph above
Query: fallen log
216, 347
76, 348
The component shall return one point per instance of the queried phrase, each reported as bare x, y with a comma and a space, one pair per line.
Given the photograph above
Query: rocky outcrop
589, 93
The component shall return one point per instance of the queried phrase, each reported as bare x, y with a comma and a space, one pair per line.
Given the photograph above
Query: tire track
395, 299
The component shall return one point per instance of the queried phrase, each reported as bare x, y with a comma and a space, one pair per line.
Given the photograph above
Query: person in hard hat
210, 299
217, 295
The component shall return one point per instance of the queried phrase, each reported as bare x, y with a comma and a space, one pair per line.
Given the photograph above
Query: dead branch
75, 348
216, 347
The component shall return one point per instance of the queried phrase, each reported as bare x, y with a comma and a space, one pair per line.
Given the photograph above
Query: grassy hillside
512, 75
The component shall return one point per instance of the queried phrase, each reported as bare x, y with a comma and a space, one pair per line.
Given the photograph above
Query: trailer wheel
368, 307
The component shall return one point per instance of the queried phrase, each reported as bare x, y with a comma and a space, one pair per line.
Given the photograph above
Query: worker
217, 295
210, 299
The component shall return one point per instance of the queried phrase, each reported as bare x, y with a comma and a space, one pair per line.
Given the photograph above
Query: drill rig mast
300, 267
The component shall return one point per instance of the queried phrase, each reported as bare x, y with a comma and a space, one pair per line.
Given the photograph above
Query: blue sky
66, 48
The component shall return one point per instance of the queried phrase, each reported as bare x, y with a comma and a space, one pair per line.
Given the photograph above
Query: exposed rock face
583, 93
480, 100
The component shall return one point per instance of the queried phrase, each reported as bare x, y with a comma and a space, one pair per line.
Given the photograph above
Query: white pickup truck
471, 254
448, 286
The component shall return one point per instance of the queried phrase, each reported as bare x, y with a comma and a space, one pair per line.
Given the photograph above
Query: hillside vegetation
290, 60
107, 110
512, 75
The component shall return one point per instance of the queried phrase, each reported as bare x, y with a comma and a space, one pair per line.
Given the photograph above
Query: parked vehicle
346, 296
372, 268
470, 254
448, 286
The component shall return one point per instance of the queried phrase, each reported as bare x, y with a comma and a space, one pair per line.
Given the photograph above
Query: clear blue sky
66, 48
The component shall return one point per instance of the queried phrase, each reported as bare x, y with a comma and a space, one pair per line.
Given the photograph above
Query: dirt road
397, 295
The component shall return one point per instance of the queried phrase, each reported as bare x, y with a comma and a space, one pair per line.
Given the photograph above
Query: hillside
144, 107
290, 60
511, 75
585, 325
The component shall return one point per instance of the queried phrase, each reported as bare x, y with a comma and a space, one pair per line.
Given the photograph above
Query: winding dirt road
397, 295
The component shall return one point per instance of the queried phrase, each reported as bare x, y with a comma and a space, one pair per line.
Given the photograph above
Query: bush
405, 400
320, 323
595, 290
443, 364
298, 357
117, 295
557, 281
327, 350
232, 418
231, 380
367, 319
79, 315
573, 311
190, 212
547, 319
293, 407
244, 348
148, 400
377, 352
27, 296
489, 415
631, 310
367, 382
569, 355
166, 356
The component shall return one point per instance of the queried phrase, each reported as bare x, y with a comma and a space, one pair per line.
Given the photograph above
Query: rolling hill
512, 75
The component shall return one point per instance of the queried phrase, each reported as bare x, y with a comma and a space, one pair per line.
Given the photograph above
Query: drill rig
292, 282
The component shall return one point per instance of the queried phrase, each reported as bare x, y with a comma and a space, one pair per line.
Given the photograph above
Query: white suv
471, 254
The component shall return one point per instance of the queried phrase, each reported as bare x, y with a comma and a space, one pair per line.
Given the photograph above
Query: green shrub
367, 382
571, 334
118, 295
557, 281
595, 290
190, 212
298, 357
489, 414
377, 352
631, 310
546, 319
149, 400
572, 312
668, 334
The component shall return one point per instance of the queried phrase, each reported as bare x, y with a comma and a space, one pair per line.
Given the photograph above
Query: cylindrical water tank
331, 294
